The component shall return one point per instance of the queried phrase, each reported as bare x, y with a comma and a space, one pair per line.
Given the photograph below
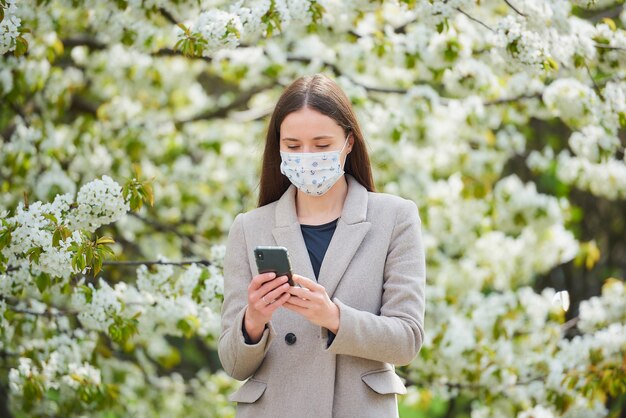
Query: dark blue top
317, 238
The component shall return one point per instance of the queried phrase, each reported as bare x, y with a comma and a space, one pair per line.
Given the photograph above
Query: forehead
308, 123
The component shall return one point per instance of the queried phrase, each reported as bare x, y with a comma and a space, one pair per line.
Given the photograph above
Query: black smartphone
276, 259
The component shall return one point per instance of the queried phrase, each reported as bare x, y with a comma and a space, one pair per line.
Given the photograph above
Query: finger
293, 300
302, 293
271, 285
277, 292
306, 282
295, 308
278, 302
259, 279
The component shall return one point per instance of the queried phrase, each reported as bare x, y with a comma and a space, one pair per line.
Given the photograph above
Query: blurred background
131, 136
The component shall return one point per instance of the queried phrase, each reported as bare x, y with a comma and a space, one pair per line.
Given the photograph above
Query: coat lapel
350, 232
288, 234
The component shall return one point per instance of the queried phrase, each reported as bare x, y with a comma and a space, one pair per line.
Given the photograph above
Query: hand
266, 293
312, 302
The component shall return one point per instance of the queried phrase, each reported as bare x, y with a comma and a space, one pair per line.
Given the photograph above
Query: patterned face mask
312, 172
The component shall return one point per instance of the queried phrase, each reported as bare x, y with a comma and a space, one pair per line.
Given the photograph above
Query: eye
293, 146
323, 146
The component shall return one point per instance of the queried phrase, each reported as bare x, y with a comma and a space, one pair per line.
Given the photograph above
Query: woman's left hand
312, 302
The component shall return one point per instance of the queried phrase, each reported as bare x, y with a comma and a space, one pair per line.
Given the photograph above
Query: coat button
290, 338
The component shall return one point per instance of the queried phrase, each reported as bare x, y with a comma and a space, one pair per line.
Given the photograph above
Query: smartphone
276, 259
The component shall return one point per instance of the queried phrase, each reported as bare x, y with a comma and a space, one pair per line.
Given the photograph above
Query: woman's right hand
266, 293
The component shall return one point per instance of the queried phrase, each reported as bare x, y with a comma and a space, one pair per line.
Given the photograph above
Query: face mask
312, 172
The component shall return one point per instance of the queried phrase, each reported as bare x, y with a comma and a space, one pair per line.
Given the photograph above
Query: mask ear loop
342, 148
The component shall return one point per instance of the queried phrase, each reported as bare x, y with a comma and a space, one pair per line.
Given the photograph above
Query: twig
474, 19
12, 301
602, 46
612, 13
337, 72
222, 112
514, 9
157, 262
402, 28
595, 85
47, 313
512, 99
570, 324
90, 42
168, 52
168, 15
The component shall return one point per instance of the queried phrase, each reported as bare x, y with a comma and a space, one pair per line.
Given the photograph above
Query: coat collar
350, 232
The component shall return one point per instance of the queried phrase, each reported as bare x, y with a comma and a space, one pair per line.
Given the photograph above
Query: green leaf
88, 254
149, 193
21, 46
183, 27
88, 293
50, 217
43, 282
550, 64
104, 240
5, 238
188, 325
56, 238
97, 264
34, 253
610, 23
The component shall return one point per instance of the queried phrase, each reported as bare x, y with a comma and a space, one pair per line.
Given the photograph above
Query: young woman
325, 348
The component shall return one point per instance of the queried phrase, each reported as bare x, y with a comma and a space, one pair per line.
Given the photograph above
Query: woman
328, 346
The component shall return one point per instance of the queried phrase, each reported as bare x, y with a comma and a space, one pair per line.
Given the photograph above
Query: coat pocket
250, 392
384, 381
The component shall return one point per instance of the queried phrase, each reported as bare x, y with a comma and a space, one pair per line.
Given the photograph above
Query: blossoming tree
131, 132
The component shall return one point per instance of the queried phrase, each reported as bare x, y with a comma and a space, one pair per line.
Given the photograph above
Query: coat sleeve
239, 360
396, 335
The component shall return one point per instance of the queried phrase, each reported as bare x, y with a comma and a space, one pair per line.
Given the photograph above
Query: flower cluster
225, 29
33, 229
9, 27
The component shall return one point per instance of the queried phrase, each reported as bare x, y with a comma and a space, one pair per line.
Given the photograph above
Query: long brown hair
320, 93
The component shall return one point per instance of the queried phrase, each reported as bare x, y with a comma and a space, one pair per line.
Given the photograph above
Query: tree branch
47, 313
474, 19
506, 100
168, 15
87, 41
4, 402
156, 262
569, 324
168, 52
602, 46
12, 301
514, 9
222, 112
80, 105
595, 85
337, 72
612, 13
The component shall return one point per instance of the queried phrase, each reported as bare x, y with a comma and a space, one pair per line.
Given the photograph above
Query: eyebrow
315, 139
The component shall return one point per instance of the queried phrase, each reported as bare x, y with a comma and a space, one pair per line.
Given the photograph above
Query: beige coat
373, 270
